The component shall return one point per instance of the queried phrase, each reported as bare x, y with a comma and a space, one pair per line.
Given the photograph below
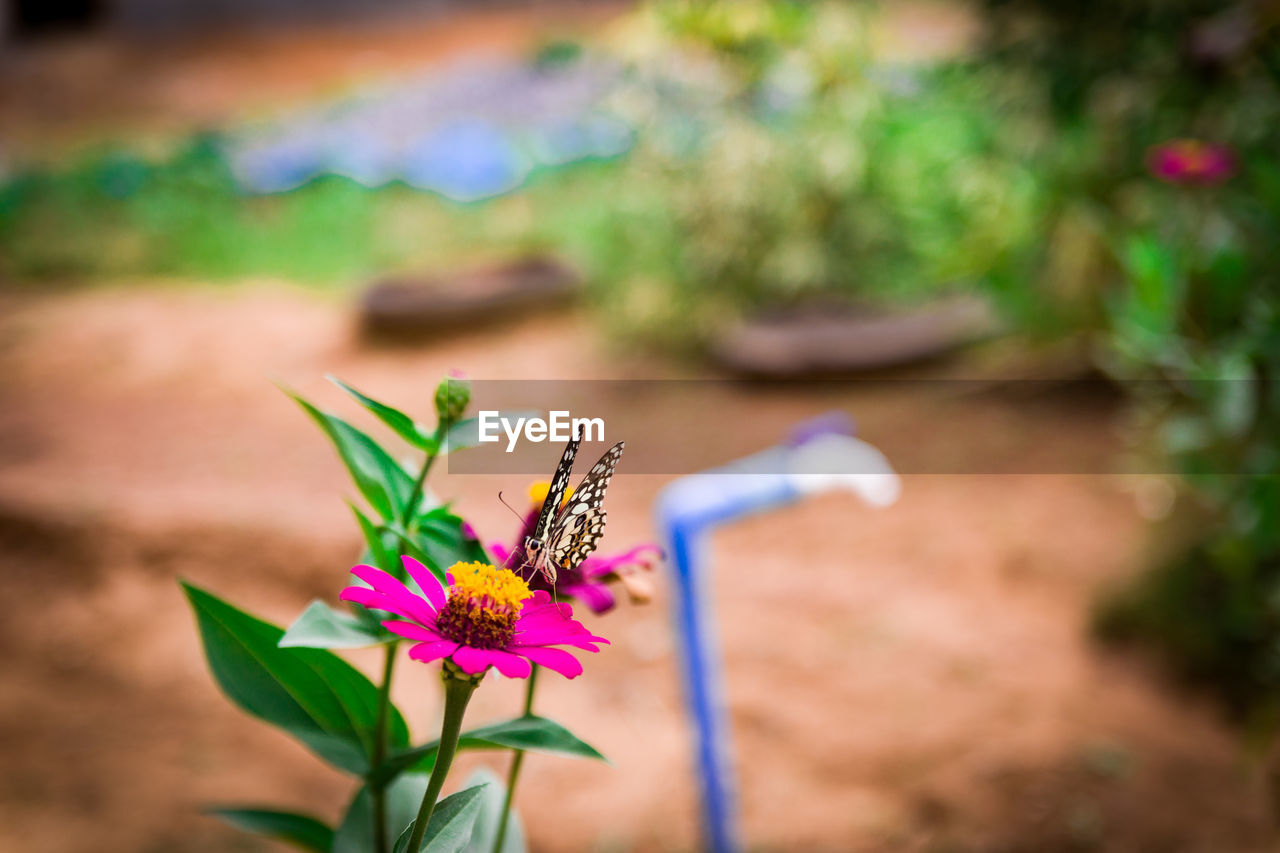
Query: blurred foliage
1196, 328
111, 214
1133, 61
1178, 287
779, 164
1112, 81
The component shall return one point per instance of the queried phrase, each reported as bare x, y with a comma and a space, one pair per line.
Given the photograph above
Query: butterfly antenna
506, 563
514, 511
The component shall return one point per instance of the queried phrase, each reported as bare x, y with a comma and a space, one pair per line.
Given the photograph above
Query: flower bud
453, 394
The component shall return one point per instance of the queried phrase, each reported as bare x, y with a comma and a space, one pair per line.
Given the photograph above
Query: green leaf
1185, 434
300, 830
403, 797
533, 734
382, 481
438, 541
322, 627
486, 828
394, 418
442, 538
313, 694
1235, 400
449, 829
381, 545
1155, 285
530, 733
414, 544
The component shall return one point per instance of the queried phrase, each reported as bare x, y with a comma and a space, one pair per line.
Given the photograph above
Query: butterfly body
564, 536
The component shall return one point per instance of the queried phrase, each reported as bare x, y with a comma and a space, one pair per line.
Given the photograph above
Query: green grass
111, 215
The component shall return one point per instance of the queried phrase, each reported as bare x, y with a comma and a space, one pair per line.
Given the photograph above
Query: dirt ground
918, 678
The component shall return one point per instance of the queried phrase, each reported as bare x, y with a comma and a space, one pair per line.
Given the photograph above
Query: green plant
112, 214
425, 581
779, 164
1176, 283
1196, 332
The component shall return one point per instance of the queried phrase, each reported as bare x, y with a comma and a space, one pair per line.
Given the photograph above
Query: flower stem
517, 761
457, 692
415, 496
377, 793
528, 690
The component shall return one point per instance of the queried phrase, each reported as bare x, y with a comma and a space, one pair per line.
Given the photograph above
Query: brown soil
918, 678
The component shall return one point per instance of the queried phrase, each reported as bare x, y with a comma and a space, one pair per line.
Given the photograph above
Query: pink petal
499, 552
545, 619
510, 665
549, 619
565, 628
407, 604
426, 581
413, 631
541, 637
541, 604
548, 637
548, 625
472, 661
427, 652
596, 596
368, 598
557, 659
599, 565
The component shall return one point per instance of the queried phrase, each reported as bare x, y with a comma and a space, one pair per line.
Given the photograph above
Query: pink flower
588, 583
487, 617
1190, 161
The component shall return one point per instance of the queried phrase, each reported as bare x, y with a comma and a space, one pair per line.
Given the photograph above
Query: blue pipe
686, 510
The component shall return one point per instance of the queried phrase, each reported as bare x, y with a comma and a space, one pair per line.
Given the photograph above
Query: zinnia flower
1190, 161
588, 583
487, 617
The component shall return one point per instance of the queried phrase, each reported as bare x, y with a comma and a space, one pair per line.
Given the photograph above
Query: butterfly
562, 538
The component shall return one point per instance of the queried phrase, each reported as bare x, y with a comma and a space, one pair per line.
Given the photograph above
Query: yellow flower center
484, 602
498, 588
538, 493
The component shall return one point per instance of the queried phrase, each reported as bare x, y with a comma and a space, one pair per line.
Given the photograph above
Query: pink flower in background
487, 617
589, 582
1190, 161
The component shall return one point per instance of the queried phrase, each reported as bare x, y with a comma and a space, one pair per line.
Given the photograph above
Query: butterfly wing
580, 524
590, 492
555, 494
573, 540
